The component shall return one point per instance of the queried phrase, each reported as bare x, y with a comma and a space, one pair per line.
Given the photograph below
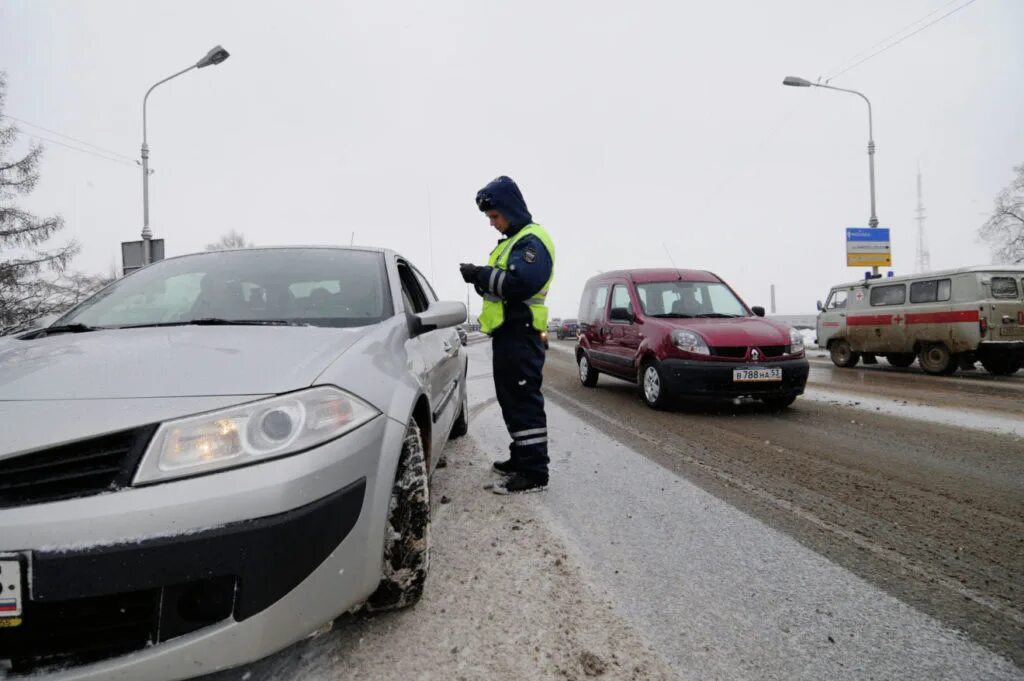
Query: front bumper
714, 380
188, 577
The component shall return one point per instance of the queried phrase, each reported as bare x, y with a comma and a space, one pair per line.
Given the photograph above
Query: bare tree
29, 271
1004, 230
231, 240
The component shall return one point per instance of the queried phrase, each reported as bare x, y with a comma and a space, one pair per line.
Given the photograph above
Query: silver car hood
181, 361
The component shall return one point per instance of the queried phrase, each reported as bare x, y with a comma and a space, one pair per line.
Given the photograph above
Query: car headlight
250, 433
688, 341
796, 342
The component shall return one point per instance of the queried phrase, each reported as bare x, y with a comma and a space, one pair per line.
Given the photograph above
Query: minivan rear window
934, 291
894, 294
1004, 287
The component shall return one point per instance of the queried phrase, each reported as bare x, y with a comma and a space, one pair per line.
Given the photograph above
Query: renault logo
755, 354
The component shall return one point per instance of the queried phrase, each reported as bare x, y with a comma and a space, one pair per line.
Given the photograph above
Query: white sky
630, 127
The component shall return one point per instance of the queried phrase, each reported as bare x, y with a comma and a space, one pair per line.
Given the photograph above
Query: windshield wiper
213, 321
68, 328
671, 315
717, 315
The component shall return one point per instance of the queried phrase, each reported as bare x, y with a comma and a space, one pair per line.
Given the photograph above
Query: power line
78, 149
894, 44
95, 150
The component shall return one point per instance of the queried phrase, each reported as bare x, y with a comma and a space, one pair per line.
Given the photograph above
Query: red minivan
685, 334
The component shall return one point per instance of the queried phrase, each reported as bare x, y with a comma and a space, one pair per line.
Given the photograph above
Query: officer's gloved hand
469, 272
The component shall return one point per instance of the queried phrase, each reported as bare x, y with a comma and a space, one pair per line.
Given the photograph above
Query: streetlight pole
215, 56
801, 82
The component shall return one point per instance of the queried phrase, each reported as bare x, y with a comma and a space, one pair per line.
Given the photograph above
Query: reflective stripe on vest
492, 315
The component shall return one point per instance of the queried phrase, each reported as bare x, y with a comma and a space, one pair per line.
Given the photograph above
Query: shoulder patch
530, 254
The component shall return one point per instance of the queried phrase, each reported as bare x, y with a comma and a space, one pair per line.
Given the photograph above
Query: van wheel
937, 360
1001, 366
588, 374
407, 542
901, 360
842, 354
652, 385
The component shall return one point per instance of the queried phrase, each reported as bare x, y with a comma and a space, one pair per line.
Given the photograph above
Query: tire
588, 374
901, 360
407, 539
1001, 366
843, 355
778, 403
651, 382
937, 360
461, 426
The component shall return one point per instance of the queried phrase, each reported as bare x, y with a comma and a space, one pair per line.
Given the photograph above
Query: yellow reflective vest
492, 316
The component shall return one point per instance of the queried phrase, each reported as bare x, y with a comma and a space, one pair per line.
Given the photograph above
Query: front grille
92, 466
89, 629
740, 352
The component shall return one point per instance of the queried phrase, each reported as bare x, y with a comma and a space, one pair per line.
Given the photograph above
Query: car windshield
689, 299
318, 287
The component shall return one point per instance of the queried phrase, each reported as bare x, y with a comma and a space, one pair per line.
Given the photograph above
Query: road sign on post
868, 247
131, 254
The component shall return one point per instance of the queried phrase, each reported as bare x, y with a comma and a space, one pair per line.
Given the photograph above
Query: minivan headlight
250, 433
688, 341
796, 342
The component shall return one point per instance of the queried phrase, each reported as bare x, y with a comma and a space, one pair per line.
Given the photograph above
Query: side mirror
440, 315
757, 310
820, 306
621, 314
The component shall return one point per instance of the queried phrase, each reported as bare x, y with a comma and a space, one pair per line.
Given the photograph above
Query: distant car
219, 454
568, 329
544, 339
554, 323
685, 333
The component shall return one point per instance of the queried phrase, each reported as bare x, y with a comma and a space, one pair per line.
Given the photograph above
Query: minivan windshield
314, 286
689, 299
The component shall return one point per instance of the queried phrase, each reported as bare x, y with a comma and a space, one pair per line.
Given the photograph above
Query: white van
945, 320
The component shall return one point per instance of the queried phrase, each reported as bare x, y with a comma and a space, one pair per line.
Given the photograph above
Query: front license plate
11, 581
754, 375
1011, 330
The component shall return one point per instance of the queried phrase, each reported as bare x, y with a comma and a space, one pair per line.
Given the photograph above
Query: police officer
514, 285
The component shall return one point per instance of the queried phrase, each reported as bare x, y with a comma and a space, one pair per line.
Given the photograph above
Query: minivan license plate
11, 589
752, 375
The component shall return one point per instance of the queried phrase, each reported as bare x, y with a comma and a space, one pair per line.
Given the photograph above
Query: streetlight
801, 82
215, 56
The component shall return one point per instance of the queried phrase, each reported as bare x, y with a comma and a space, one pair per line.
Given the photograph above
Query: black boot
506, 467
518, 484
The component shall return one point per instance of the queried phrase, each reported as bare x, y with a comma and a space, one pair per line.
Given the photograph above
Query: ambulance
945, 320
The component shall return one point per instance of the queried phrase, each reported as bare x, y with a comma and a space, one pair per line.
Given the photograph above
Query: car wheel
461, 426
652, 385
1001, 366
588, 374
901, 360
407, 538
937, 360
778, 403
842, 354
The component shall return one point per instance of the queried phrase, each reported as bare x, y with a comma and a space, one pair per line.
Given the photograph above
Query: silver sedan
219, 454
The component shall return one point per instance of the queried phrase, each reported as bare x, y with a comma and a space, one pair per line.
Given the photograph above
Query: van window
1004, 287
836, 301
934, 291
620, 297
894, 294
593, 303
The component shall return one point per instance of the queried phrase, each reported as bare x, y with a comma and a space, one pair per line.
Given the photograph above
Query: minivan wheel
901, 359
652, 385
842, 354
1001, 366
407, 539
937, 360
588, 374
